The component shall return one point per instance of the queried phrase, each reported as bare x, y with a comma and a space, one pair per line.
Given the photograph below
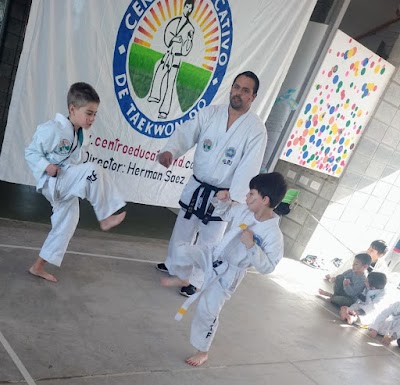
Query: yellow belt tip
182, 311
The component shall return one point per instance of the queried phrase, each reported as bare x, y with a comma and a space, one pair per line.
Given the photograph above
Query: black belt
204, 212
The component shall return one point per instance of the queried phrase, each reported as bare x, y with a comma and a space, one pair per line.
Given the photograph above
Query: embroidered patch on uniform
207, 145
230, 152
64, 147
257, 240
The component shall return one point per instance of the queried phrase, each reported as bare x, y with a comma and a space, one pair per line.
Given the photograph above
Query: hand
327, 277
247, 238
346, 282
372, 333
223, 195
52, 169
165, 158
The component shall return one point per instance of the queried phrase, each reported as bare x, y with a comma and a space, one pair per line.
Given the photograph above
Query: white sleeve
35, 153
248, 167
266, 257
380, 319
186, 136
225, 210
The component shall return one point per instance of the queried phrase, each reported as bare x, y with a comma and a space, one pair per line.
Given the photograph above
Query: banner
155, 64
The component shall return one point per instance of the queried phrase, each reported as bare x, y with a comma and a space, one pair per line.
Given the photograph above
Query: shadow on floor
23, 203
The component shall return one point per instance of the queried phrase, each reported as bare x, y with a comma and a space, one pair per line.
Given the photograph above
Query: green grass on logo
190, 83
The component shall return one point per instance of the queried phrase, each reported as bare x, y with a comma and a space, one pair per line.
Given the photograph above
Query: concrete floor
107, 320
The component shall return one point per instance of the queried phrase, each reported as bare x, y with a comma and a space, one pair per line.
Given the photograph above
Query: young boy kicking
55, 158
254, 239
349, 284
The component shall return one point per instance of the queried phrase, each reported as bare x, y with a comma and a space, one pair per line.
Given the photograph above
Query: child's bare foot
173, 281
198, 359
38, 270
325, 293
42, 274
343, 313
351, 319
112, 221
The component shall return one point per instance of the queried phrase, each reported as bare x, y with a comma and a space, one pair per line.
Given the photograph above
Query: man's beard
236, 102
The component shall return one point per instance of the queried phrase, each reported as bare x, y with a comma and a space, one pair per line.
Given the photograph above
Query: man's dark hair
380, 246
190, 2
80, 94
253, 76
272, 185
364, 258
377, 280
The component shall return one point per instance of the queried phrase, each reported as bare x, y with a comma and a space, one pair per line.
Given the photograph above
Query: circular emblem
169, 60
207, 144
64, 147
230, 152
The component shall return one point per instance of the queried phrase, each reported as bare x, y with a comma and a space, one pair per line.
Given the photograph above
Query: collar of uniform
63, 120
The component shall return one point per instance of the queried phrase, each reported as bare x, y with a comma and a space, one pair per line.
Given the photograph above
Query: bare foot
198, 359
351, 319
173, 281
112, 221
325, 293
343, 313
41, 273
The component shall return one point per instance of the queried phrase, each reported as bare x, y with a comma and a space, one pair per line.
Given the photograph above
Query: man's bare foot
198, 359
41, 273
112, 221
173, 281
325, 293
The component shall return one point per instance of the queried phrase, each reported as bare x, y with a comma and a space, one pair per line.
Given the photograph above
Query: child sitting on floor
370, 302
349, 284
387, 324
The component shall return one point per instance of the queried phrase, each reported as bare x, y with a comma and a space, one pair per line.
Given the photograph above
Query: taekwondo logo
230, 152
63, 147
207, 144
169, 60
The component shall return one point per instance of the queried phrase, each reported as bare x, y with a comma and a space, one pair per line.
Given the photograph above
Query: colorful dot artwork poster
338, 106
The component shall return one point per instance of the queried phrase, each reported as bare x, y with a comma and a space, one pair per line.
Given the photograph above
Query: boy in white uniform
254, 239
231, 142
387, 324
55, 157
370, 303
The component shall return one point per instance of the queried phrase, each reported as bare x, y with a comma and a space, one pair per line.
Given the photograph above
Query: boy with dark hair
55, 158
254, 239
369, 303
351, 283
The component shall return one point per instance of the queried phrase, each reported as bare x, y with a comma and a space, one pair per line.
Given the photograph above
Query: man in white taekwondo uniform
231, 142
55, 156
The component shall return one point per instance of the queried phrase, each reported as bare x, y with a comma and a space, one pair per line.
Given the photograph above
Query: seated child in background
387, 324
254, 239
370, 302
351, 283
376, 250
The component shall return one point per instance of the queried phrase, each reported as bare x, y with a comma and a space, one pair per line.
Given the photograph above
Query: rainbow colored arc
203, 16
